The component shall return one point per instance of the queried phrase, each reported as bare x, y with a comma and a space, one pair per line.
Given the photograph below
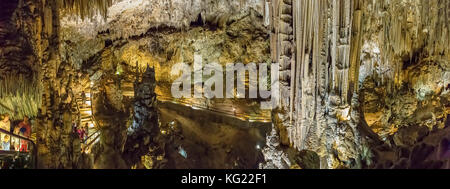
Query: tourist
6, 143
86, 131
26, 124
25, 130
74, 127
23, 143
81, 134
15, 140
5, 124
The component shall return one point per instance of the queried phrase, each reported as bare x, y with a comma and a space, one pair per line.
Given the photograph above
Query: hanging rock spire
87, 8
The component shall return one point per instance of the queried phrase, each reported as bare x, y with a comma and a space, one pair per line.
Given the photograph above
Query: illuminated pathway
242, 109
87, 116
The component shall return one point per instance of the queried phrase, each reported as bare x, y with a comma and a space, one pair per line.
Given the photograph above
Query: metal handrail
91, 135
237, 115
94, 120
93, 113
26, 139
92, 141
92, 109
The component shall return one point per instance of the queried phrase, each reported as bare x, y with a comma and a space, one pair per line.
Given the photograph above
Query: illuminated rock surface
363, 84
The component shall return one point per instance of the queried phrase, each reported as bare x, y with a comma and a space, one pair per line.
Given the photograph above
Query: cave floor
211, 139
241, 108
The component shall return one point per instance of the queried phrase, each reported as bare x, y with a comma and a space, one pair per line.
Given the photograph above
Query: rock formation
329, 52
144, 129
363, 84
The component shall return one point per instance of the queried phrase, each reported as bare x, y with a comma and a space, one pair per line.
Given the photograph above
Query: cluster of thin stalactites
19, 96
87, 8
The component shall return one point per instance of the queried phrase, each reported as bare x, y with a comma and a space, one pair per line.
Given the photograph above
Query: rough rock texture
311, 40
387, 57
127, 18
37, 79
102, 49
406, 57
33, 33
54, 125
242, 39
107, 154
421, 149
18, 59
145, 128
274, 155
358, 78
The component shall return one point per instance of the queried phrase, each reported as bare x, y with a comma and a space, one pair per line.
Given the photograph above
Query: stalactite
331, 39
322, 73
87, 8
21, 94
282, 49
405, 28
355, 49
311, 41
48, 21
54, 121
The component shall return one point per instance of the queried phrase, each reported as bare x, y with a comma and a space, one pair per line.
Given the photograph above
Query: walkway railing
90, 140
261, 117
32, 151
89, 118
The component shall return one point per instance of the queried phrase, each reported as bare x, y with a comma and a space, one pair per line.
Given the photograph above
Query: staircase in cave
127, 89
84, 107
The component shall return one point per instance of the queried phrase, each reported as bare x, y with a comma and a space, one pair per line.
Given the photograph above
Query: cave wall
35, 81
331, 52
311, 40
37, 77
406, 55
353, 73
19, 86
111, 53
55, 141
144, 130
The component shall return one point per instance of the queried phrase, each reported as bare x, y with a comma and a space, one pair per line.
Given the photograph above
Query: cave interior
143, 84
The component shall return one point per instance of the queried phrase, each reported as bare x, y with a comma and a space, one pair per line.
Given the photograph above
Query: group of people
9, 142
82, 132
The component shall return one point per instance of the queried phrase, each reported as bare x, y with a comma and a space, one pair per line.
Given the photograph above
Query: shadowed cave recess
362, 84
